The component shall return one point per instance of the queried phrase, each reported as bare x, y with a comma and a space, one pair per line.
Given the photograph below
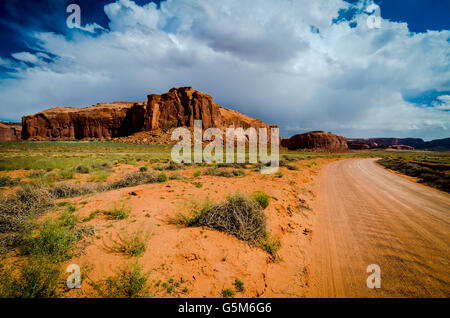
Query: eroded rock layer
177, 108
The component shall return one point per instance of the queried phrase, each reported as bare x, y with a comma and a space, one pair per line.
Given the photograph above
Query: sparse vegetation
130, 243
172, 166
228, 292
239, 285
425, 174
223, 173
82, 169
271, 246
118, 212
6, 181
52, 241
162, 177
17, 210
134, 179
237, 216
129, 282
36, 278
261, 198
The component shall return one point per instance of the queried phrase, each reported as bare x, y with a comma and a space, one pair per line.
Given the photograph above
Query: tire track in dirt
368, 215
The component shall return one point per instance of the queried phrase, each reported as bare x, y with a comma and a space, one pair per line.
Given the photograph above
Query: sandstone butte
158, 115
316, 140
10, 131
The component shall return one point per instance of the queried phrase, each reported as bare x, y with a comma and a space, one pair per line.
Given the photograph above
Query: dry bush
236, 215
172, 166
223, 173
133, 179
70, 189
15, 210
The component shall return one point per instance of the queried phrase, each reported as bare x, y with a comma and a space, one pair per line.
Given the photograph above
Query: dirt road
368, 215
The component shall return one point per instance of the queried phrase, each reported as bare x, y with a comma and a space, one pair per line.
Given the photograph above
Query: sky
358, 68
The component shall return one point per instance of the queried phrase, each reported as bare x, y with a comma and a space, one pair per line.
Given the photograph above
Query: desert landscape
96, 187
209, 157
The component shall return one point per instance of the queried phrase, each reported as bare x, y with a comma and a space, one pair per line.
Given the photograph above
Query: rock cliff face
316, 140
177, 108
10, 131
181, 106
99, 121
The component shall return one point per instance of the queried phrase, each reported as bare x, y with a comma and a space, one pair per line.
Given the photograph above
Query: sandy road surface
368, 215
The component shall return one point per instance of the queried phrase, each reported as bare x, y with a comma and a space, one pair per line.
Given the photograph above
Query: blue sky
305, 65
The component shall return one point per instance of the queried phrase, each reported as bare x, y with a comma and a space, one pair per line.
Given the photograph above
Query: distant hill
417, 143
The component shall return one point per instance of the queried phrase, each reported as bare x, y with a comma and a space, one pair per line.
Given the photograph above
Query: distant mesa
317, 141
144, 122
399, 143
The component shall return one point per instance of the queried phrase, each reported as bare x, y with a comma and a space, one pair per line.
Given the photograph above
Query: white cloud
258, 57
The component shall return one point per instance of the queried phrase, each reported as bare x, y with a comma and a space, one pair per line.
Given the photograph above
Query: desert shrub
271, 246
175, 176
261, 199
236, 215
65, 174
91, 215
223, 173
70, 189
239, 285
53, 241
6, 181
132, 244
143, 168
197, 184
289, 158
172, 166
133, 179
228, 292
118, 212
283, 163
129, 282
37, 278
51, 176
16, 210
36, 174
162, 177
231, 165
67, 218
100, 165
82, 169
197, 173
